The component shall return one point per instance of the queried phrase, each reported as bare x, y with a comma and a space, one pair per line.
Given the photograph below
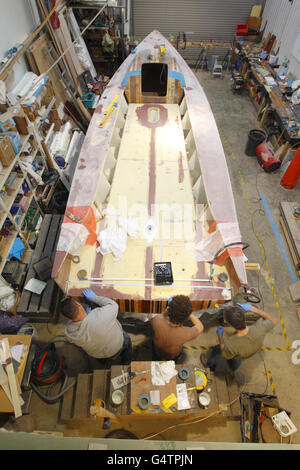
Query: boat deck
152, 184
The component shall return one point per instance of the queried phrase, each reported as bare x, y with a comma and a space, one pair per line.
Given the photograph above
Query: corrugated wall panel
283, 20
208, 20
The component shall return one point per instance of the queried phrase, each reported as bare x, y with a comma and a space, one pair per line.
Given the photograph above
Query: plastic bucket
255, 137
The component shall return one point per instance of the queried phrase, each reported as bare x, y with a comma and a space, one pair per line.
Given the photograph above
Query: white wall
283, 20
18, 18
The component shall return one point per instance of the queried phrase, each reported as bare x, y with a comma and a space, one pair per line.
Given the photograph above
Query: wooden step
82, 396
67, 403
100, 386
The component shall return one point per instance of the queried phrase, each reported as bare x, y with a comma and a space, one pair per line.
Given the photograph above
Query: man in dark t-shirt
244, 343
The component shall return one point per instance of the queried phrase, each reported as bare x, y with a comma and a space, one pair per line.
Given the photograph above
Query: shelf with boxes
23, 161
20, 176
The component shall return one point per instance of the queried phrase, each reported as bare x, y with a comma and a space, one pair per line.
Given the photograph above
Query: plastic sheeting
80, 46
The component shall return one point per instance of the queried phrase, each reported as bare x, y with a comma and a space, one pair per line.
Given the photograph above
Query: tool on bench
124, 379
135, 374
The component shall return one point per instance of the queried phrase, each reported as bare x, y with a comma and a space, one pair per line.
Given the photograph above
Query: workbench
77, 401
269, 97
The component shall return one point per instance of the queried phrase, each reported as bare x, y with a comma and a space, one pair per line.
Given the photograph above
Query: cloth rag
162, 373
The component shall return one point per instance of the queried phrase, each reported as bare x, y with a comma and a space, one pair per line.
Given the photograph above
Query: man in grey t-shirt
244, 343
97, 332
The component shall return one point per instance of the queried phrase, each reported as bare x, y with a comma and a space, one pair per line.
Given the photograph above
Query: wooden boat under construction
152, 187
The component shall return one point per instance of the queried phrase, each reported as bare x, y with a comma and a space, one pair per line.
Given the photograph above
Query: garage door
200, 20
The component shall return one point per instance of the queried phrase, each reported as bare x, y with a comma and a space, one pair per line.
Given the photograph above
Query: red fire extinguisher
292, 174
266, 157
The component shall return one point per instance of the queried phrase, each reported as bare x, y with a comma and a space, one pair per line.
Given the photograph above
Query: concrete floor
235, 116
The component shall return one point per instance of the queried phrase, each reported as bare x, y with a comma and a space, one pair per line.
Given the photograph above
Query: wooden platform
44, 307
152, 178
77, 401
291, 228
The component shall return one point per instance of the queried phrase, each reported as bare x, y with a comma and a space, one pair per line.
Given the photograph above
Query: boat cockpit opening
154, 78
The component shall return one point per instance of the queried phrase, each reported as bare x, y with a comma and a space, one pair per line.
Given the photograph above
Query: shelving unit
22, 180
93, 36
19, 186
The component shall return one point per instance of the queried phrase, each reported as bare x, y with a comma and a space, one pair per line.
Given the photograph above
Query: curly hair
69, 308
180, 309
235, 316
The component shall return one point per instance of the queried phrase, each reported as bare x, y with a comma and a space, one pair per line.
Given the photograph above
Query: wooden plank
43, 307
289, 243
67, 406
49, 250
234, 396
213, 389
142, 385
26, 295
4, 383
292, 226
5, 356
99, 385
71, 58
44, 63
82, 396
124, 408
222, 393
5, 404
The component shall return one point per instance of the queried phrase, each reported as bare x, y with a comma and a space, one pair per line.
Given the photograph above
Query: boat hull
152, 149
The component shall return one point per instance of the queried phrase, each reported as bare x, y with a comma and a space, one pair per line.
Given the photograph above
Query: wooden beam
32, 37
5, 356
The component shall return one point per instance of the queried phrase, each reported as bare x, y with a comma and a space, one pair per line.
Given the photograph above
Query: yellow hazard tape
269, 375
260, 245
198, 348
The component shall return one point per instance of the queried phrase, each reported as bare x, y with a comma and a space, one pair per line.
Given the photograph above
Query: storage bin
8, 126
7, 153
15, 141
241, 29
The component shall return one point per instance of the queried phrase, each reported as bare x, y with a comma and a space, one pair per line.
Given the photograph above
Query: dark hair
69, 308
180, 308
235, 316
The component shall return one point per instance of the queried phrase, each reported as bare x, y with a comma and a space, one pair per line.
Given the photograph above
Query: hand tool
112, 103
134, 374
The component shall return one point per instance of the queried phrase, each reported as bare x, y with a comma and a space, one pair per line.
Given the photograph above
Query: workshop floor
269, 371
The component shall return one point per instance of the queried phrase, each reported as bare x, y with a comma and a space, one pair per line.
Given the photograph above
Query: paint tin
204, 399
117, 397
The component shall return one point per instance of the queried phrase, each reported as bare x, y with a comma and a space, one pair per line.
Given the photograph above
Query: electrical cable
216, 412
64, 387
120, 434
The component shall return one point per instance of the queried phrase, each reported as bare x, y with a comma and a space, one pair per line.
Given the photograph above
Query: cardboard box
7, 153
254, 23
8, 126
256, 10
15, 141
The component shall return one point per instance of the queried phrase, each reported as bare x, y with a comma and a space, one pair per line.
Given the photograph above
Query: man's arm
99, 300
196, 322
250, 308
220, 337
264, 315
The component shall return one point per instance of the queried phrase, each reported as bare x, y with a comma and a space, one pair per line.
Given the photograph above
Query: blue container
15, 141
